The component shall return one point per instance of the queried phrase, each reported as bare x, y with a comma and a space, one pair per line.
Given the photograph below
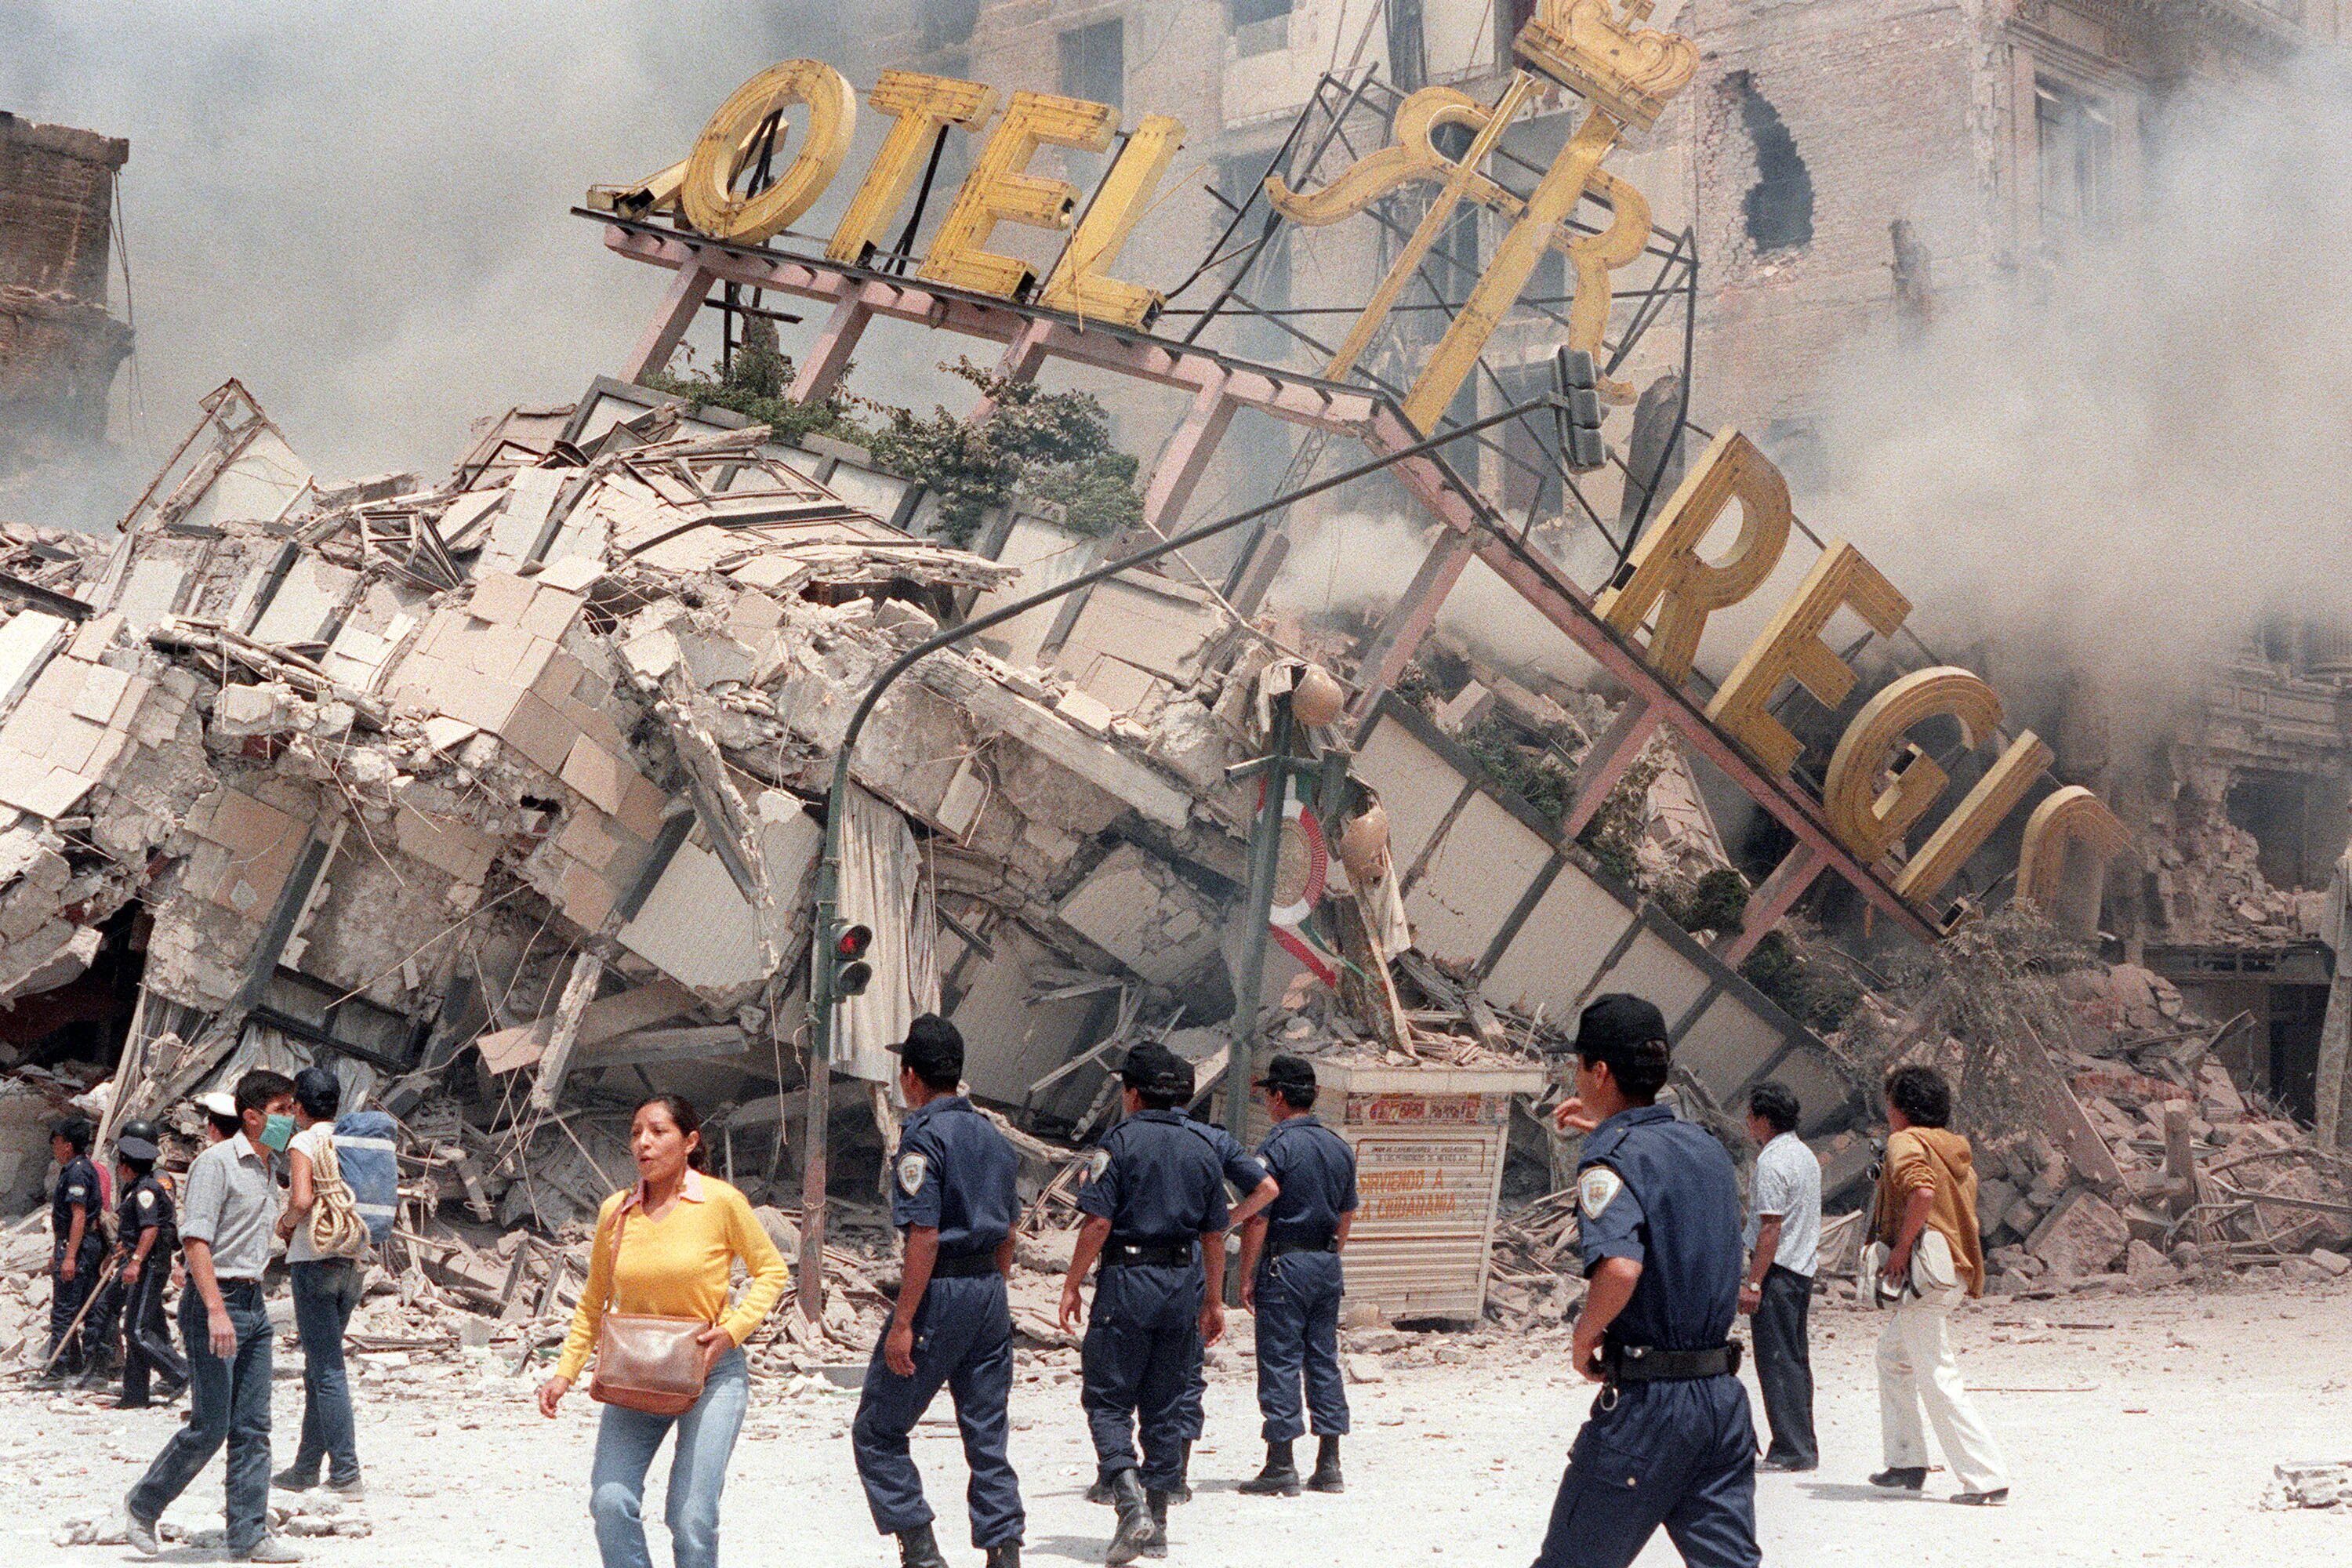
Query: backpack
336, 1228
369, 1163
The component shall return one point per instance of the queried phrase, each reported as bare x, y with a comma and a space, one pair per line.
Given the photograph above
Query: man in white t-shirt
1784, 1252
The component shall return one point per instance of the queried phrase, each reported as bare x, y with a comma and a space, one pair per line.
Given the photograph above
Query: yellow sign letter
999, 191
709, 195
919, 106
1665, 566
1791, 648
1868, 819
1078, 284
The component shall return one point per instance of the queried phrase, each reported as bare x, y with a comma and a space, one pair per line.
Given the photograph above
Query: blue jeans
326, 1294
625, 1446
228, 1402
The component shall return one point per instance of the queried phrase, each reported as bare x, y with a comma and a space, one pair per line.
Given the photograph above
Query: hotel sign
1879, 786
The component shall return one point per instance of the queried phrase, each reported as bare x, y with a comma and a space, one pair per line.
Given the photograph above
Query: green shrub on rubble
1813, 994
1053, 446
754, 384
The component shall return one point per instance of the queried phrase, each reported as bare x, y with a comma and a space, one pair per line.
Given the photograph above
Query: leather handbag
644, 1363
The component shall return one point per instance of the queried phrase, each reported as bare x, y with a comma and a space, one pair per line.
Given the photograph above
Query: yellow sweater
678, 1265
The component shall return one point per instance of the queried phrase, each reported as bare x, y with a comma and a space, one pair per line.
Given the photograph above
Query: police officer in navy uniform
146, 1234
1249, 1179
1290, 1270
78, 1245
1155, 1206
1670, 1441
955, 1199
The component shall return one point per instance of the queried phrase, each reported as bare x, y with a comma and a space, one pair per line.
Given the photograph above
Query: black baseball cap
1287, 1072
933, 1048
1153, 1069
132, 1148
1615, 1026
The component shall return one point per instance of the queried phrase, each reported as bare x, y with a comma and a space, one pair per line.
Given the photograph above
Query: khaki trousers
1915, 1369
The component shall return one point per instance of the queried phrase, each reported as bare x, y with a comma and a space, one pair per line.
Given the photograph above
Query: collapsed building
499, 794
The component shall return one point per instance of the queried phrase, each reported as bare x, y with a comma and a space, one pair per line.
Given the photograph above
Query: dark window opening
948, 23
1779, 205
2276, 808
2296, 1014
1094, 63
1408, 53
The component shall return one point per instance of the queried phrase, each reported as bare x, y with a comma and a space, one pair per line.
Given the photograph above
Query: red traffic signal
851, 972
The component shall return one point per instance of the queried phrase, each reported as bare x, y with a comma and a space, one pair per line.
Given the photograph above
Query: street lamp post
822, 992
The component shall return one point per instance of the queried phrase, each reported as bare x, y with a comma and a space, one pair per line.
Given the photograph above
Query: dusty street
1452, 1462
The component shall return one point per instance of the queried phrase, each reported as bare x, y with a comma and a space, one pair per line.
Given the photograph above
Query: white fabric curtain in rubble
884, 886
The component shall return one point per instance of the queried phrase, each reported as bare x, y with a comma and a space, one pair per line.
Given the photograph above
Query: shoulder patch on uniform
1597, 1189
146, 1199
912, 1168
1097, 1163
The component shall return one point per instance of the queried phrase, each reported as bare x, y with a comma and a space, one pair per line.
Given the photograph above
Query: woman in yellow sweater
685, 1231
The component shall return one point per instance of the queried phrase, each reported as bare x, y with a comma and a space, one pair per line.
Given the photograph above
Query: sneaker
139, 1532
351, 1490
268, 1549
292, 1480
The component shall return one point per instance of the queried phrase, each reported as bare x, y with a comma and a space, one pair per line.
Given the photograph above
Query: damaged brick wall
58, 346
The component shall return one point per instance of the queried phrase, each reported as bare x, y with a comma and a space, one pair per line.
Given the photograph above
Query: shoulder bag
336, 1228
644, 1363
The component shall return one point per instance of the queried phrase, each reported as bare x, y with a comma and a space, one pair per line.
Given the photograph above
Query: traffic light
851, 972
1581, 449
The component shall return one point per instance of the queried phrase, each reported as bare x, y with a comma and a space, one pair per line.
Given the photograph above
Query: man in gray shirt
227, 1221
1784, 1247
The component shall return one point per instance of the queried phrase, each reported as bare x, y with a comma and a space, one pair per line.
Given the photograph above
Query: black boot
1136, 1531
1158, 1504
1327, 1477
1005, 1556
1100, 1492
1280, 1477
918, 1548
1182, 1490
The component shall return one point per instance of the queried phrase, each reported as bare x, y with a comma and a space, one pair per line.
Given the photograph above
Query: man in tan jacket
1926, 1215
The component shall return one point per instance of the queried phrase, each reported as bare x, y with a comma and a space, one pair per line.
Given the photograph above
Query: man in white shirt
1784, 1247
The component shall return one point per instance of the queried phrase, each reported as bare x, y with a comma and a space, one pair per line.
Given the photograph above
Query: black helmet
138, 1127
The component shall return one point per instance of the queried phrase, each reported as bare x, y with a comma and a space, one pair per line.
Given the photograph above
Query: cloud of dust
2119, 466
363, 213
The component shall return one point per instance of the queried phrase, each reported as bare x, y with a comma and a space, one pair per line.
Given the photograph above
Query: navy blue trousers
1137, 1362
1298, 1339
1679, 1454
963, 1341
66, 1298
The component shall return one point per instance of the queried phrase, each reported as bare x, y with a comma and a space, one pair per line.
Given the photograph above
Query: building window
1514, 14
1259, 27
2075, 140
1408, 47
1094, 63
948, 24
1778, 206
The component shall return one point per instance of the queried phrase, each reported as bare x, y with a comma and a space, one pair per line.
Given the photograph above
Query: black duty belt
1648, 1364
1275, 1249
973, 1266
1119, 1254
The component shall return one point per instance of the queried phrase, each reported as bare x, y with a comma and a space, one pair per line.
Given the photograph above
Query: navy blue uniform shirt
1156, 1179
1317, 1173
77, 1189
955, 1174
1241, 1170
147, 1203
1663, 1194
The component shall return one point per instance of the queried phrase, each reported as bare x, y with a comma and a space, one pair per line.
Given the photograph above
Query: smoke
363, 211
2119, 465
